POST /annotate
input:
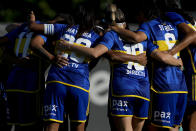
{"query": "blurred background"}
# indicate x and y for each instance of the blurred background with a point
(16, 11)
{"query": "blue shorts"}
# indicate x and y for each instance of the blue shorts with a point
(191, 86)
(62, 99)
(168, 109)
(23, 96)
(23, 109)
(128, 107)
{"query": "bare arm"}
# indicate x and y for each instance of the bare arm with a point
(130, 36)
(89, 52)
(165, 58)
(37, 43)
(189, 38)
(34, 26)
(123, 57)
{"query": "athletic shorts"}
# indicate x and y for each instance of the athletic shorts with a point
(128, 107)
(168, 109)
(23, 96)
(191, 86)
(60, 100)
(23, 109)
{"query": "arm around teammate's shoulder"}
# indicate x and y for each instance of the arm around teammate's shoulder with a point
(130, 36)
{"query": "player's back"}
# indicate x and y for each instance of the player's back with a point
(164, 34)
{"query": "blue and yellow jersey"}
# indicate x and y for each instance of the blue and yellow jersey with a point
(189, 59)
(77, 69)
(165, 78)
(20, 40)
(127, 79)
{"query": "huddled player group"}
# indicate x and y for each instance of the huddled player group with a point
(45, 69)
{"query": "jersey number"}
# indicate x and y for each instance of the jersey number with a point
(73, 56)
(131, 49)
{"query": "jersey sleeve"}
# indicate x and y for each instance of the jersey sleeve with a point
(43, 37)
(13, 34)
(51, 29)
(175, 18)
(145, 28)
(151, 47)
(107, 40)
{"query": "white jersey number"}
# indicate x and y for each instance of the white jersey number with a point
(73, 55)
(131, 49)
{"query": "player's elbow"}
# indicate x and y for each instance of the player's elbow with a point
(94, 55)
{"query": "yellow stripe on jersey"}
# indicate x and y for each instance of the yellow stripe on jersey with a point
(160, 126)
(193, 27)
(22, 91)
(193, 86)
(68, 85)
(140, 117)
(87, 111)
(163, 46)
(131, 96)
(168, 92)
(191, 58)
(121, 115)
(58, 121)
(78, 121)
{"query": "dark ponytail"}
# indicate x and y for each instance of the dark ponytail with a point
(85, 19)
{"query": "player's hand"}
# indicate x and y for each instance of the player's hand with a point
(62, 45)
(142, 59)
(31, 17)
(181, 64)
(61, 61)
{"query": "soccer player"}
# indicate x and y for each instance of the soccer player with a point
(186, 27)
(25, 80)
(67, 90)
(168, 82)
(124, 110)
(22, 85)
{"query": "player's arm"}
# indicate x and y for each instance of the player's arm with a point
(33, 25)
(188, 33)
(189, 38)
(130, 36)
(123, 57)
(38, 42)
(95, 52)
(165, 58)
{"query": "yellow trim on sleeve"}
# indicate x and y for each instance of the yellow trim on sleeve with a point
(54, 120)
(67, 85)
